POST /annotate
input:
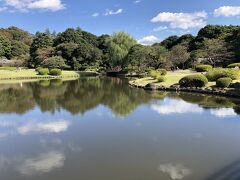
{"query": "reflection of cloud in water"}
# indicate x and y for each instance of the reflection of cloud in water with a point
(47, 127)
(27, 127)
(171, 106)
(43, 163)
(177, 171)
(224, 112)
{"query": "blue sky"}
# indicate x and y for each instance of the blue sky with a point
(147, 20)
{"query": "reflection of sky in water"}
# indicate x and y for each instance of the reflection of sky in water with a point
(172, 106)
(171, 131)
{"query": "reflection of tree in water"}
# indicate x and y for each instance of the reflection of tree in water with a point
(207, 101)
(46, 93)
(81, 95)
(16, 100)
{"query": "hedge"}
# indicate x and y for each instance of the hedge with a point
(198, 80)
(161, 79)
(43, 71)
(55, 72)
(223, 82)
(203, 68)
(234, 65)
(217, 73)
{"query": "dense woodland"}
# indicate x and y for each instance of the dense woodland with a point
(76, 49)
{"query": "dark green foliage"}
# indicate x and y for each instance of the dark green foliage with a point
(193, 81)
(70, 35)
(19, 48)
(55, 72)
(170, 42)
(224, 82)
(53, 62)
(234, 65)
(203, 68)
(5, 47)
(43, 71)
(217, 73)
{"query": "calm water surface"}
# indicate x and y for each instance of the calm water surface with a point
(101, 129)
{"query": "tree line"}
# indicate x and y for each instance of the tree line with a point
(77, 49)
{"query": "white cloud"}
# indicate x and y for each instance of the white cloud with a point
(160, 28)
(112, 12)
(177, 171)
(224, 112)
(95, 14)
(137, 1)
(26, 5)
(43, 163)
(148, 40)
(182, 20)
(176, 107)
(227, 11)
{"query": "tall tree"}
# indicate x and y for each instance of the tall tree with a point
(119, 46)
(179, 55)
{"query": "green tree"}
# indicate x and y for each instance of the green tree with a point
(179, 55)
(119, 46)
(54, 62)
(41, 40)
(215, 52)
(5, 47)
(159, 57)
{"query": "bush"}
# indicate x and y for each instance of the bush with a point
(163, 72)
(198, 80)
(234, 65)
(37, 69)
(217, 73)
(223, 82)
(154, 74)
(54, 62)
(203, 68)
(43, 71)
(161, 79)
(55, 72)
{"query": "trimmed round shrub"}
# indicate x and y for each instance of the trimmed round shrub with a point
(154, 74)
(55, 72)
(163, 72)
(203, 68)
(43, 71)
(37, 69)
(161, 79)
(198, 80)
(224, 82)
(234, 65)
(217, 73)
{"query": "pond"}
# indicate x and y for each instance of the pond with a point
(101, 129)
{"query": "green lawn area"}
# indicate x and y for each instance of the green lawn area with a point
(171, 78)
(24, 73)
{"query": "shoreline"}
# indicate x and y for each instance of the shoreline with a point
(219, 92)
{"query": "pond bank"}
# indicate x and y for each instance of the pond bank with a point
(235, 93)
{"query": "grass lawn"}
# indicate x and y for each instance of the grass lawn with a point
(171, 78)
(13, 74)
